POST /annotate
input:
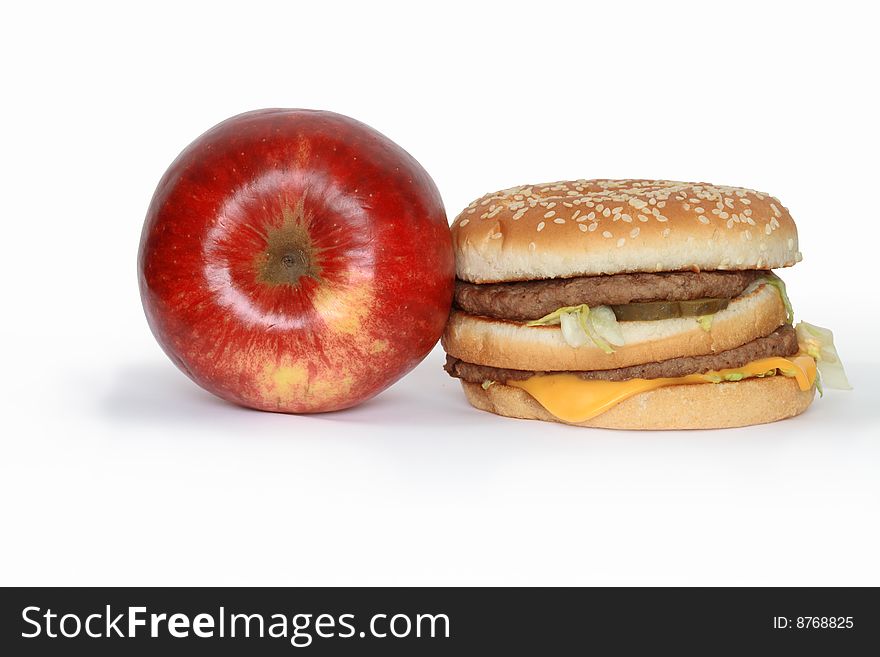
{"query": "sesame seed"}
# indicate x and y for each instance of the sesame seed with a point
(621, 242)
(551, 205)
(768, 229)
(495, 236)
(606, 212)
(540, 226)
(532, 247)
(559, 220)
(643, 218)
(576, 215)
(703, 219)
(593, 227)
(606, 234)
(583, 228)
(699, 210)
(472, 210)
(547, 215)
(634, 232)
(591, 216)
(464, 222)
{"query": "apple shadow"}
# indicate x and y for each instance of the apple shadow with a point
(156, 393)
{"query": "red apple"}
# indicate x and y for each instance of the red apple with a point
(295, 261)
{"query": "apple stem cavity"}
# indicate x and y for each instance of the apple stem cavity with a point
(290, 253)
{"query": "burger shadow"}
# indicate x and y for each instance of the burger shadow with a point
(159, 396)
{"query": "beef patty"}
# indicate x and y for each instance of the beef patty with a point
(782, 342)
(526, 300)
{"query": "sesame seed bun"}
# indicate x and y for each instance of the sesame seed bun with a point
(591, 227)
(514, 345)
(698, 406)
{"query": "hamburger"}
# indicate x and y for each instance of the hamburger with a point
(632, 304)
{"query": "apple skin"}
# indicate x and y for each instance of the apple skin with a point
(296, 261)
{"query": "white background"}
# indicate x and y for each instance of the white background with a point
(116, 469)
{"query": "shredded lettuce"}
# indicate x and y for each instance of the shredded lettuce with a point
(487, 383)
(818, 342)
(714, 377)
(580, 326)
(553, 318)
(574, 329)
(705, 322)
(779, 284)
(605, 322)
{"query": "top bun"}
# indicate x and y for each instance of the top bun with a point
(590, 227)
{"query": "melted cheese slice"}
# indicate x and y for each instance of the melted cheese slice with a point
(573, 399)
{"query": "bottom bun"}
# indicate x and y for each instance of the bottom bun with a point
(698, 406)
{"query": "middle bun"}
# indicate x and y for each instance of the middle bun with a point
(514, 345)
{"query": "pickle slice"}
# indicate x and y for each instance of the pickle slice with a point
(651, 310)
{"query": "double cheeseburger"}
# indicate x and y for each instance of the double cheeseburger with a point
(631, 304)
